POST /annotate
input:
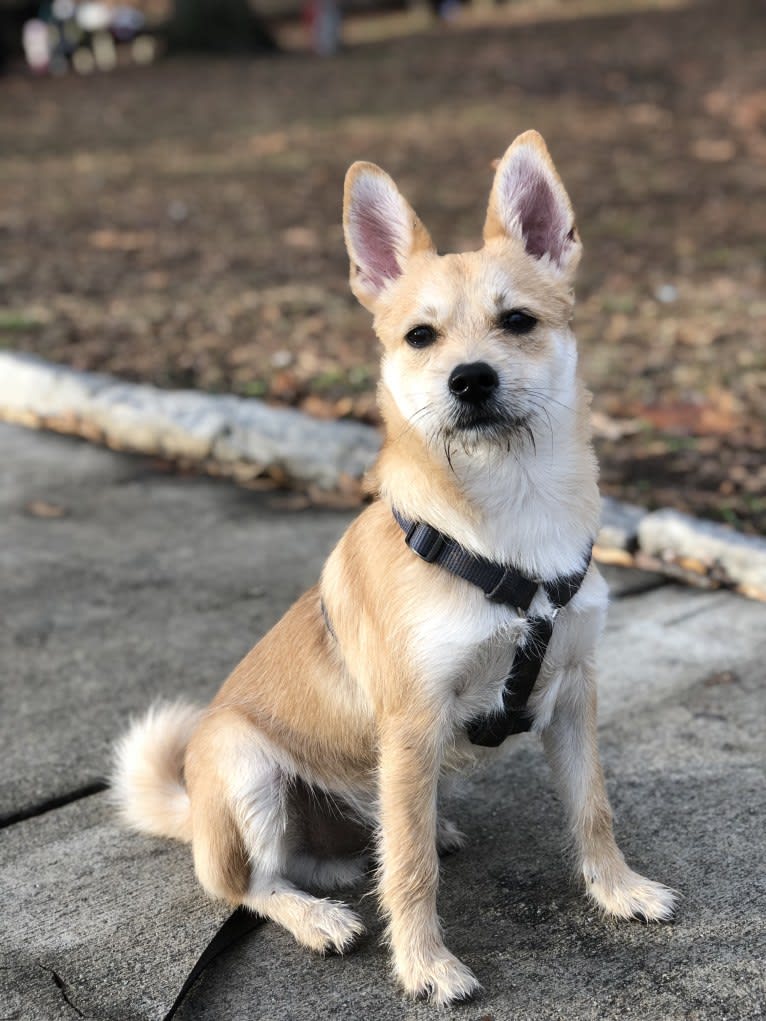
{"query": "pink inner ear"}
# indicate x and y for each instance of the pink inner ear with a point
(375, 244)
(530, 199)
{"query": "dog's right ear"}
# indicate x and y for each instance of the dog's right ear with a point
(381, 229)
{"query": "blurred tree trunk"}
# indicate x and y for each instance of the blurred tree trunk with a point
(218, 26)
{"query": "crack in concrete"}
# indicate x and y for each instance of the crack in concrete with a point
(61, 986)
(706, 607)
(50, 804)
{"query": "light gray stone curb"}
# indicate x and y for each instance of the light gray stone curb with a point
(720, 551)
(245, 438)
(619, 524)
(685, 548)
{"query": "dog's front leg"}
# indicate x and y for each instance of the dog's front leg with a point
(571, 745)
(410, 759)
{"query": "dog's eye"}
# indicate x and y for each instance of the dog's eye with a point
(420, 336)
(517, 322)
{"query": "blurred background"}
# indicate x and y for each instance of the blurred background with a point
(171, 178)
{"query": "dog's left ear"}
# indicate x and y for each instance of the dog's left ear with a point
(382, 232)
(528, 202)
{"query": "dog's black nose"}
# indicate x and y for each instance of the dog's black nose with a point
(473, 382)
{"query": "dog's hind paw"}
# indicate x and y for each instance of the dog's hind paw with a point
(448, 837)
(629, 895)
(330, 927)
(438, 977)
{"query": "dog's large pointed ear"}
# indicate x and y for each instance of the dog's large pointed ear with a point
(382, 231)
(528, 202)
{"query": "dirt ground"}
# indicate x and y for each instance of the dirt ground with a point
(181, 223)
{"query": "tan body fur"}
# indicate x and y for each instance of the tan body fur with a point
(369, 715)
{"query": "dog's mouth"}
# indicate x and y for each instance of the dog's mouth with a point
(492, 422)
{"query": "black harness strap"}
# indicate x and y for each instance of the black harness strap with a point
(514, 718)
(326, 616)
(500, 584)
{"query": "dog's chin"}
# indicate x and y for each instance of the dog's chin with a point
(488, 427)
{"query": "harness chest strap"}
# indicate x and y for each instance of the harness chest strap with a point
(506, 585)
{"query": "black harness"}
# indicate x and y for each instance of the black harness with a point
(506, 585)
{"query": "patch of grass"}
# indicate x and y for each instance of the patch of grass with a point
(254, 388)
(360, 376)
(755, 504)
(352, 379)
(619, 303)
(676, 444)
(328, 379)
(12, 321)
(730, 517)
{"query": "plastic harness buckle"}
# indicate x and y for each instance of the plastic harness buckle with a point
(425, 541)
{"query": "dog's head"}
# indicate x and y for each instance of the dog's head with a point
(477, 345)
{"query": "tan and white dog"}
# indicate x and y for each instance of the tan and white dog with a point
(360, 696)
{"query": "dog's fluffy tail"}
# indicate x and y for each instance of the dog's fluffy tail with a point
(147, 779)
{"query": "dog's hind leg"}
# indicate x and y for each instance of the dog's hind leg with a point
(328, 874)
(571, 746)
(240, 833)
(329, 839)
(318, 923)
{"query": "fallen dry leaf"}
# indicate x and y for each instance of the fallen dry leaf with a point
(122, 240)
(44, 509)
(687, 419)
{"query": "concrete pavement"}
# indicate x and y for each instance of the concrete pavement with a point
(119, 582)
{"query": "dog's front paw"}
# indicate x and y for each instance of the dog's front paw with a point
(626, 894)
(448, 837)
(437, 976)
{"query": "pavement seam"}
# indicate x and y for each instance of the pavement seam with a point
(709, 605)
(51, 804)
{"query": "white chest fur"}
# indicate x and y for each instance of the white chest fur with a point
(463, 645)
